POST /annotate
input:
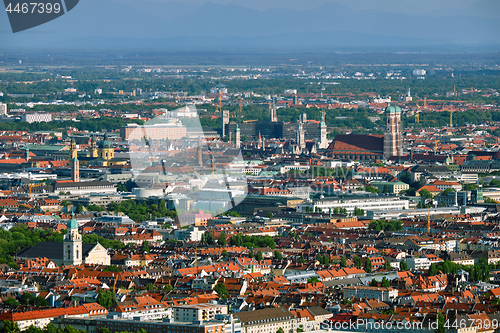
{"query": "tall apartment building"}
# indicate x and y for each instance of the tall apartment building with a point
(3, 109)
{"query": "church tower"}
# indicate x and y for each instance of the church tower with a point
(273, 113)
(301, 135)
(74, 163)
(393, 143)
(237, 137)
(93, 148)
(72, 245)
(323, 141)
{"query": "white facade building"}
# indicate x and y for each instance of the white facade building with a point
(383, 294)
(364, 202)
(36, 117)
(3, 109)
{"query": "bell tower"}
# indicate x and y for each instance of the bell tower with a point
(237, 137)
(323, 141)
(93, 148)
(393, 143)
(72, 245)
(74, 163)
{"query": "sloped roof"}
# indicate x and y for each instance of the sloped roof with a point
(357, 143)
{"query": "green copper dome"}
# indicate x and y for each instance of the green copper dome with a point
(105, 143)
(237, 128)
(72, 223)
(393, 109)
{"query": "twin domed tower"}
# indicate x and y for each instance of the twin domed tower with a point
(101, 153)
(104, 150)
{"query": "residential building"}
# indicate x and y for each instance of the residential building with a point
(383, 294)
(198, 312)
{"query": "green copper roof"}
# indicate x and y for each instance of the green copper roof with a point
(105, 143)
(393, 109)
(72, 223)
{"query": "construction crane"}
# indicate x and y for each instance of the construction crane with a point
(417, 115)
(196, 258)
(428, 221)
(213, 164)
(114, 284)
(220, 101)
(31, 186)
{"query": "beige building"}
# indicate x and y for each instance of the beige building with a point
(171, 131)
(383, 294)
(198, 312)
(267, 321)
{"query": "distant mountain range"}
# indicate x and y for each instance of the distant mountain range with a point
(151, 24)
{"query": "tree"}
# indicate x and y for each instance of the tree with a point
(426, 194)
(222, 239)
(387, 264)
(385, 282)
(374, 283)
(343, 261)
(210, 238)
(250, 254)
(440, 324)
(106, 298)
(221, 290)
(104, 330)
(469, 187)
(225, 254)
(11, 302)
(368, 265)
(79, 208)
(259, 256)
(50, 328)
(278, 255)
(270, 215)
(27, 299)
(65, 203)
(357, 262)
(168, 287)
(10, 327)
(150, 286)
(314, 279)
(145, 246)
(40, 301)
(432, 270)
(111, 268)
(403, 266)
(280, 330)
(121, 188)
(359, 211)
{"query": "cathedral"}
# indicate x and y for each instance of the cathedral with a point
(371, 147)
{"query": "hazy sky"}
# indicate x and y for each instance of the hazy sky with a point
(401, 6)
